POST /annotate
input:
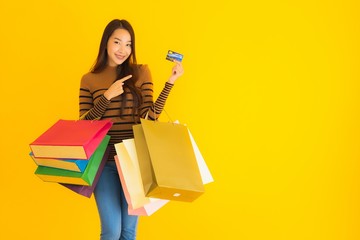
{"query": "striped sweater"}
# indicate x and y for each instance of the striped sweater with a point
(93, 102)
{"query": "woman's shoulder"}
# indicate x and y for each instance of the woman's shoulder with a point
(87, 76)
(88, 80)
(144, 75)
(142, 68)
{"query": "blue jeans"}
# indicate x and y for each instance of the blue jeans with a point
(116, 223)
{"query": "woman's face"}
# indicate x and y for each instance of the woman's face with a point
(118, 47)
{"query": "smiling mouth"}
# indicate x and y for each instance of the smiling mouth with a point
(120, 57)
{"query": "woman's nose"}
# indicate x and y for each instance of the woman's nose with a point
(120, 48)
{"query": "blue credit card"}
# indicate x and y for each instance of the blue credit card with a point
(171, 56)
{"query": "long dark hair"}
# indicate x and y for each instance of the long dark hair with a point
(129, 66)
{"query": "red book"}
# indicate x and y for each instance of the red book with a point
(71, 139)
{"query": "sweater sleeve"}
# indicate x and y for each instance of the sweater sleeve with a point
(149, 107)
(90, 110)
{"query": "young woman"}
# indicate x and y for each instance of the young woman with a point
(120, 89)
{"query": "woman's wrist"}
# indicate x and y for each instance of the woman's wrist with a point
(106, 95)
(171, 80)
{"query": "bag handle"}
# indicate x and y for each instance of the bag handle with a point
(147, 114)
(82, 117)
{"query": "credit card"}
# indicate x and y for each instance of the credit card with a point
(171, 56)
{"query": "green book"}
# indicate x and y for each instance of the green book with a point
(86, 178)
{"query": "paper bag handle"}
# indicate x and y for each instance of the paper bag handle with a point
(147, 114)
(82, 117)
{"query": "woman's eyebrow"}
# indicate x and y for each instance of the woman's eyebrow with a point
(121, 40)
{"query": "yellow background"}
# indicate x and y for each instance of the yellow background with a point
(270, 93)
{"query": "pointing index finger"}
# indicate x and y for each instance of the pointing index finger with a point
(125, 78)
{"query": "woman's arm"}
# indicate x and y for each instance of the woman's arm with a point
(153, 110)
(89, 110)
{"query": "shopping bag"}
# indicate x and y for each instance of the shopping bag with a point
(204, 170)
(167, 161)
(149, 208)
(77, 165)
(71, 139)
(129, 173)
(49, 174)
(87, 191)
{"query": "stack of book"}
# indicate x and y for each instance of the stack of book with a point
(71, 152)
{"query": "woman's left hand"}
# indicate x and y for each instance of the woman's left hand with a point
(176, 72)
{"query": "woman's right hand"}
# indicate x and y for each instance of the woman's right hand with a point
(116, 89)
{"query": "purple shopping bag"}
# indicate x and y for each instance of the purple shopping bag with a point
(88, 190)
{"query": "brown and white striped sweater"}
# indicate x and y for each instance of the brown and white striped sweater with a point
(92, 100)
